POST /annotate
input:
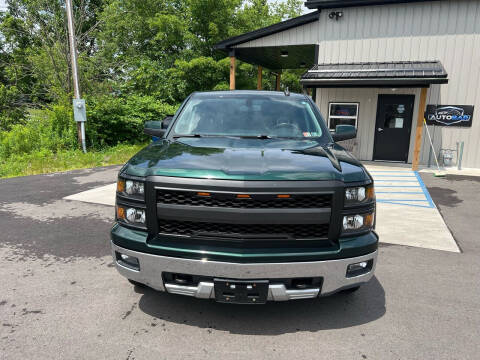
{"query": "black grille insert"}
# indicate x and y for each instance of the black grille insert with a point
(257, 201)
(244, 231)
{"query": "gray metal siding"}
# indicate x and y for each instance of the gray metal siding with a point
(367, 111)
(447, 30)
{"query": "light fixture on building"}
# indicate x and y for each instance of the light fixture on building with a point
(335, 15)
(284, 53)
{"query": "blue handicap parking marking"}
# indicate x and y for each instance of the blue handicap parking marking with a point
(398, 180)
(396, 176)
(398, 192)
(425, 190)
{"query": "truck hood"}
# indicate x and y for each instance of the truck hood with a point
(246, 159)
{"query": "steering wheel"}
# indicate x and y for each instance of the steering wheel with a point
(286, 129)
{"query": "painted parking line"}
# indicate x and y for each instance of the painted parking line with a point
(395, 176)
(392, 184)
(398, 192)
(402, 197)
(425, 190)
(387, 172)
(397, 181)
(422, 203)
(397, 186)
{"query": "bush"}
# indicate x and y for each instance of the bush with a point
(110, 121)
(50, 130)
(11, 112)
(114, 120)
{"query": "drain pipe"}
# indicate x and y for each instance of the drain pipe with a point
(460, 156)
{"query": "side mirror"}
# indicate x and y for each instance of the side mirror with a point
(154, 128)
(166, 121)
(344, 132)
(157, 128)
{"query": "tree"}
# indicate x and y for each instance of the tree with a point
(160, 49)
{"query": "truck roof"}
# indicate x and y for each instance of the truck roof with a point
(247, 92)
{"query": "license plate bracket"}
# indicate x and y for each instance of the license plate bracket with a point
(241, 291)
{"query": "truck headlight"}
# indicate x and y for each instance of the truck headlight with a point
(358, 222)
(359, 194)
(131, 215)
(130, 187)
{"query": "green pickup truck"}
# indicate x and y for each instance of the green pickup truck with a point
(244, 197)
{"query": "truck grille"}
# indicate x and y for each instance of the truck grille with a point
(244, 231)
(300, 201)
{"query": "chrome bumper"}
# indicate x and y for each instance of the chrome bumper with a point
(276, 292)
(332, 271)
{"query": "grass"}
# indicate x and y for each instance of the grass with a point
(43, 162)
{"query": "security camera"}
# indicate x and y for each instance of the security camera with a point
(335, 15)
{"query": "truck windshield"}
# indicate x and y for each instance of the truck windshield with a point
(249, 116)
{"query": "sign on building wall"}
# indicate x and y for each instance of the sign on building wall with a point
(449, 115)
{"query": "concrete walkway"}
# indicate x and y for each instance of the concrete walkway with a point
(406, 214)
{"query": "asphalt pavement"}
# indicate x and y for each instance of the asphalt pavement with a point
(61, 297)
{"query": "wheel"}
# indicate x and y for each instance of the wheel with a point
(351, 290)
(136, 283)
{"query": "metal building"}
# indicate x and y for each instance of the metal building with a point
(383, 65)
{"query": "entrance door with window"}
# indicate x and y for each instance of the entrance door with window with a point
(393, 127)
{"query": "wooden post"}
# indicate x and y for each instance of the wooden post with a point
(259, 78)
(232, 72)
(277, 86)
(419, 131)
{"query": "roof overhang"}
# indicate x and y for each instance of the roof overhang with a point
(278, 57)
(269, 30)
(381, 74)
(333, 4)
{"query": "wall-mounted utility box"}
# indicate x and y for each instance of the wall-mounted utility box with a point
(79, 111)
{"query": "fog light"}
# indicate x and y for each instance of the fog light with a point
(128, 261)
(135, 215)
(359, 268)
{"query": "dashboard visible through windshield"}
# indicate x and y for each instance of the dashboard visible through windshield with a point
(249, 116)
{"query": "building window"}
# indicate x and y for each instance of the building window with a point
(342, 114)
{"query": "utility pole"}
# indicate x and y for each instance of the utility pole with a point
(79, 111)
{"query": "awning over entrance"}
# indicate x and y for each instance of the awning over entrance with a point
(287, 56)
(278, 57)
(376, 74)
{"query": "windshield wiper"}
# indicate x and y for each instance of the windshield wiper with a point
(187, 135)
(261, 136)
(253, 136)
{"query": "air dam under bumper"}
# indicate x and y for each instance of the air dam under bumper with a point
(332, 271)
